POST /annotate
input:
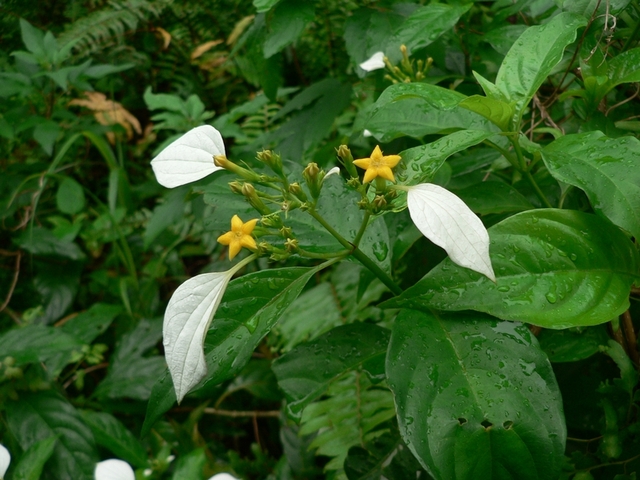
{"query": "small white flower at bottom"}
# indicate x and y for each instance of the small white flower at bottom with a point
(223, 476)
(114, 469)
(5, 460)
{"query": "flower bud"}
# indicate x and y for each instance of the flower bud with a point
(251, 195)
(379, 202)
(286, 232)
(347, 160)
(224, 162)
(313, 176)
(272, 160)
(296, 189)
(236, 187)
(272, 221)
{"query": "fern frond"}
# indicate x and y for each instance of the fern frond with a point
(103, 26)
(349, 416)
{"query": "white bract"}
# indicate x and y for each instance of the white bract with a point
(366, 133)
(447, 221)
(189, 158)
(114, 469)
(5, 460)
(186, 322)
(223, 476)
(375, 62)
(333, 171)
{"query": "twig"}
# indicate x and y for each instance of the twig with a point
(14, 282)
(632, 341)
(243, 413)
(535, 329)
(86, 370)
(622, 102)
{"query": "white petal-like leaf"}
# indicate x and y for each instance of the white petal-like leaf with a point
(333, 171)
(186, 322)
(375, 62)
(5, 460)
(114, 469)
(447, 221)
(223, 476)
(189, 158)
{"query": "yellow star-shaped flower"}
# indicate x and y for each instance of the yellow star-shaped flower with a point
(378, 165)
(239, 236)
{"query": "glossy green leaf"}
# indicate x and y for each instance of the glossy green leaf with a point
(251, 306)
(41, 415)
(573, 344)
(433, 19)
(419, 109)
(496, 111)
(32, 461)
(420, 164)
(532, 58)
(628, 373)
(111, 434)
(554, 268)
(607, 169)
(587, 8)
(289, 19)
(264, 5)
(338, 351)
(493, 197)
(70, 196)
(476, 398)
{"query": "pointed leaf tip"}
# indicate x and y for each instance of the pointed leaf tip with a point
(447, 221)
(186, 322)
(189, 158)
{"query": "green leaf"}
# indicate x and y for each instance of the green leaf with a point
(629, 375)
(368, 31)
(90, 324)
(419, 109)
(37, 343)
(70, 196)
(33, 38)
(45, 414)
(162, 398)
(503, 37)
(338, 351)
(264, 5)
(587, 8)
(166, 214)
(421, 163)
(493, 197)
(57, 283)
(607, 169)
(354, 411)
(435, 18)
(289, 19)
(495, 110)
(532, 58)
(573, 344)
(190, 465)
(111, 434)
(476, 398)
(32, 461)
(554, 268)
(131, 374)
(41, 241)
(46, 134)
(625, 68)
(313, 313)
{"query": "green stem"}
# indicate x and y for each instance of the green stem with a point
(323, 256)
(539, 192)
(518, 149)
(363, 227)
(358, 254)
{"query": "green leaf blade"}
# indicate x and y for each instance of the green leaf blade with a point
(475, 398)
(607, 169)
(554, 268)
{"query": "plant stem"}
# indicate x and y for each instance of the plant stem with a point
(539, 192)
(358, 254)
(363, 227)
